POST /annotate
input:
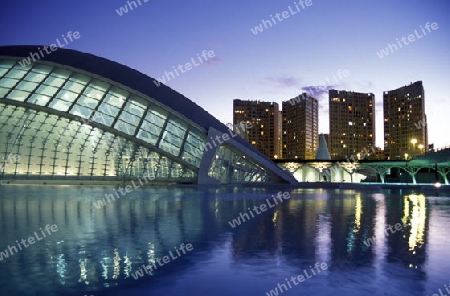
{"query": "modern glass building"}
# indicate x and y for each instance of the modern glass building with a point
(72, 116)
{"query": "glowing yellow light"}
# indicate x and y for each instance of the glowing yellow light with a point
(358, 213)
(415, 208)
(274, 219)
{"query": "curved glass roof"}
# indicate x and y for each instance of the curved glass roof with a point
(98, 101)
(113, 111)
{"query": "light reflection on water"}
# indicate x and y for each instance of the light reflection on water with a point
(96, 251)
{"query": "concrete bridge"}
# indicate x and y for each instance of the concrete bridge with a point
(431, 167)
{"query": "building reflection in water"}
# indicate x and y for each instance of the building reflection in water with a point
(99, 248)
(408, 245)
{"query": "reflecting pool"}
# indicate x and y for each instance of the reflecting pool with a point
(186, 240)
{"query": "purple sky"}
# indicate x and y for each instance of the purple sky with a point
(274, 65)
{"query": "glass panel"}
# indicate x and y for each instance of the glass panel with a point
(170, 143)
(81, 111)
(175, 129)
(8, 82)
(3, 71)
(108, 109)
(125, 127)
(100, 85)
(139, 103)
(193, 150)
(103, 118)
(60, 105)
(93, 93)
(75, 87)
(61, 73)
(7, 64)
(119, 93)
(16, 73)
(79, 78)
(173, 139)
(27, 86)
(47, 90)
(156, 116)
(130, 118)
(195, 139)
(54, 81)
(147, 137)
(88, 102)
(229, 165)
(18, 95)
(35, 77)
(193, 158)
(152, 128)
(38, 99)
(134, 109)
(3, 91)
(67, 96)
(116, 97)
(43, 69)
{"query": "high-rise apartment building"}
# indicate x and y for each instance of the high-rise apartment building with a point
(405, 129)
(352, 123)
(300, 128)
(265, 134)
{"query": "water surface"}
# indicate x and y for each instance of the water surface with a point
(96, 251)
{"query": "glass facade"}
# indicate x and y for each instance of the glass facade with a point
(50, 145)
(230, 166)
(64, 123)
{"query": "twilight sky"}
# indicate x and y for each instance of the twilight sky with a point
(303, 50)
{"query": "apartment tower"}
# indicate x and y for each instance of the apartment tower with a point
(352, 123)
(405, 129)
(300, 128)
(265, 134)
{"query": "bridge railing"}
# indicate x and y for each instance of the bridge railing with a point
(442, 148)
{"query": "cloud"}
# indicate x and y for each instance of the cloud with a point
(318, 90)
(286, 81)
